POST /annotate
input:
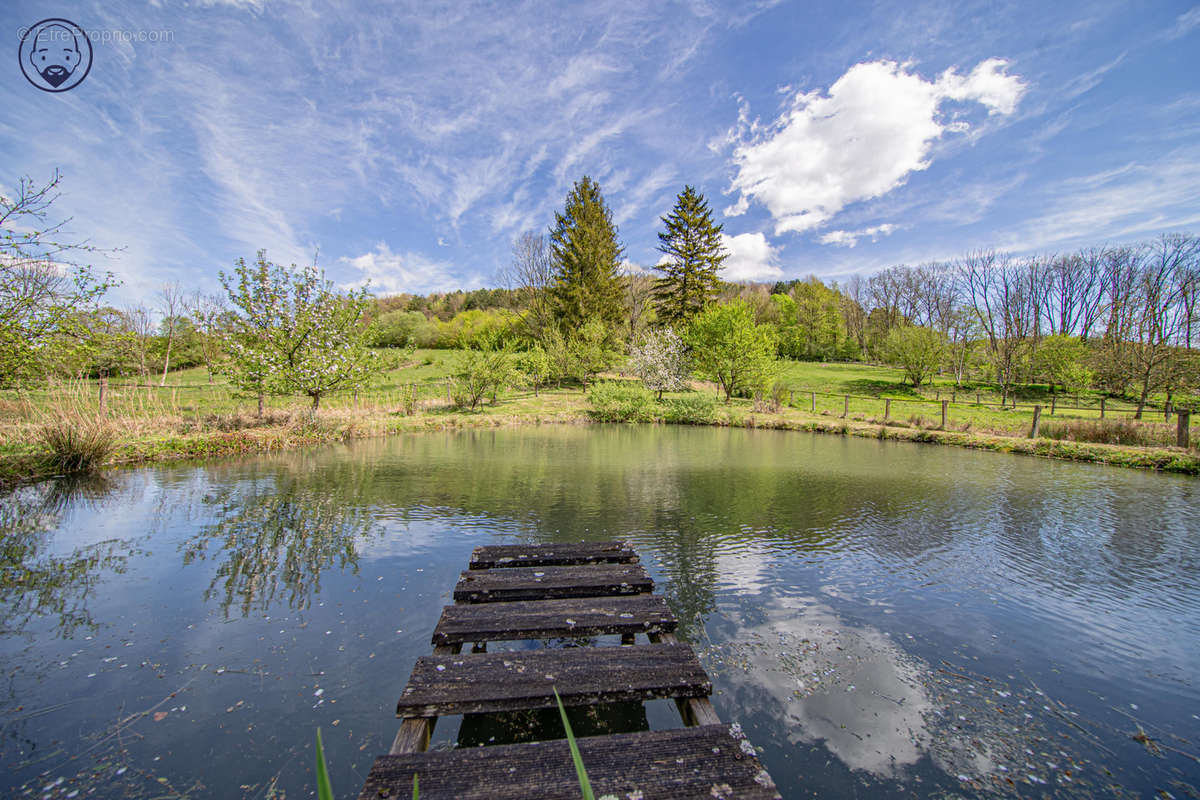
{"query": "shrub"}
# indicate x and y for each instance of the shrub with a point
(697, 409)
(78, 442)
(621, 402)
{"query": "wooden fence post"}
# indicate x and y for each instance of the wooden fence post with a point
(1101, 408)
(1053, 403)
(846, 407)
(814, 402)
(977, 399)
(1182, 431)
(1037, 421)
(791, 398)
(945, 405)
(103, 394)
(448, 399)
(1167, 411)
(887, 409)
(953, 395)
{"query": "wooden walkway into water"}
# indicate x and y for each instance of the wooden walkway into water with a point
(515, 592)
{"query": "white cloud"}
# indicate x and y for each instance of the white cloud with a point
(404, 272)
(850, 238)
(876, 125)
(751, 258)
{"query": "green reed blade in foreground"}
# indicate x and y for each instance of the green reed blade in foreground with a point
(324, 790)
(584, 784)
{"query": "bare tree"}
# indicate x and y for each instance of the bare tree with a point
(529, 275)
(170, 304)
(639, 300)
(1001, 293)
(208, 312)
(140, 322)
(1159, 321)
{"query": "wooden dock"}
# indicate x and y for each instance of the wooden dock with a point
(517, 592)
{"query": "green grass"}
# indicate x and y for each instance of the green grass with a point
(585, 785)
(190, 418)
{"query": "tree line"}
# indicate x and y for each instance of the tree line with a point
(1123, 318)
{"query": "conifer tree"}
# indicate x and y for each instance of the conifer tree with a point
(692, 245)
(586, 255)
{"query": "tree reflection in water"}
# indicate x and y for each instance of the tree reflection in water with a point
(37, 583)
(273, 537)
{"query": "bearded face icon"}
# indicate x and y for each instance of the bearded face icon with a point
(55, 54)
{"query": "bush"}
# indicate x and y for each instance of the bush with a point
(78, 442)
(696, 409)
(621, 402)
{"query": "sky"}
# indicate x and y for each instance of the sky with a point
(406, 145)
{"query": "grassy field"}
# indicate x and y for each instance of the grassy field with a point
(191, 417)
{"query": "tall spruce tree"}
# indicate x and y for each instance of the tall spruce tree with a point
(586, 255)
(692, 245)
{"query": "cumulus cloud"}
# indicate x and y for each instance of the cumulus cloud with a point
(850, 238)
(751, 258)
(875, 126)
(403, 272)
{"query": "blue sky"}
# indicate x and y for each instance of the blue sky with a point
(410, 143)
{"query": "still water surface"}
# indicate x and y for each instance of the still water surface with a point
(883, 619)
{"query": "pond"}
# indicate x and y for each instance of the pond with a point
(882, 618)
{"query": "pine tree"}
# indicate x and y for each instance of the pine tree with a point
(692, 245)
(586, 255)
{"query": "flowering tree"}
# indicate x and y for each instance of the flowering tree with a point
(295, 333)
(661, 362)
(45, 292)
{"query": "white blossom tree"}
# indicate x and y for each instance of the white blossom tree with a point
(660, 360)
(296, 334)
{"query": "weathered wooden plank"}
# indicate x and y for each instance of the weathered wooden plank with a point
(547, 619)
(549, 583)
(472, 683)
(415, 733)
(692, 710)
(703, 763)
(562, 554)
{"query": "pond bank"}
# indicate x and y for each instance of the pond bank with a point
(297, 429)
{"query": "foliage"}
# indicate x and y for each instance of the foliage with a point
(661, 362)
(692, 409)
(585, 256)
(729, 348)
(694, 253)
(534, 366)
(811, 323)
(472, 381)
(1059, 359)
(589, 351)
(296, 334)
(919, 351)
(614, 401)
(43, 289)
